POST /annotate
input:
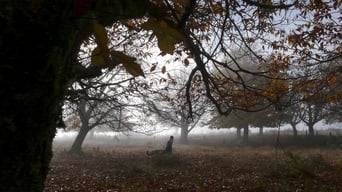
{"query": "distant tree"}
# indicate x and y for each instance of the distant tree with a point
(54, 30)
(334, 96)
(318, 91)
(293, 114)
(169, 103)
(310, 115)
(251, 109)
(90, 118)
(266, 118)
(99, 102)
(238, 120)
(334, 113)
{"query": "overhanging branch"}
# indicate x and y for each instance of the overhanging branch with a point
(268, 6)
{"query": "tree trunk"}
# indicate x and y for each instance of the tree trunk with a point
(311, 130)
(294, 128)
(261, 131)
(184, 135)
(77, 145)
(238, 132)
(176, 133)
(39, 42)
(245, 134)
(85, 114)
(36, 51)
(91, 134)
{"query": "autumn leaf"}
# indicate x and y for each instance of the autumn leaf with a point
(186, 62)
(101, 37)
(167, 35)
(97, 58)
(163, 69)
(100, 55)
(166, 44)
(153, 68)
(129, 63)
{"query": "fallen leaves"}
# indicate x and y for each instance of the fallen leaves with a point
(186, 171)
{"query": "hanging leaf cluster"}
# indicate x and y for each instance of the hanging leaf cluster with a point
(102, 57)
(167, 35)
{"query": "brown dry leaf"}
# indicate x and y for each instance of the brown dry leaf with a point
(186, 62)
(153, 68)
(101, 53)
(101, 37)
(129, 63)
(163, 69)
(167, 35)
(97, 58)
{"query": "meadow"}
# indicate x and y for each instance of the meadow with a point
(208, 163)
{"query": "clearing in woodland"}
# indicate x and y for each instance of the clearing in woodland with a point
(196, 167)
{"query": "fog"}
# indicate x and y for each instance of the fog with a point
(100, 139)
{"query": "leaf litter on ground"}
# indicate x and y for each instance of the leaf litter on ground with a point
(197, 169)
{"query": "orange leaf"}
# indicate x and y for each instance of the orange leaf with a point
(101, 37)
(129, 63)
(153, 68)
(97, 58)
(186, 62)
(163, 69)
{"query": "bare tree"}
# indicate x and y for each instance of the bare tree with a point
(168, 103)
(54, 30)
(293, 114)
(99, 102)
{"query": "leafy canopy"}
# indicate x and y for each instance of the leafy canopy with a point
(281, 36)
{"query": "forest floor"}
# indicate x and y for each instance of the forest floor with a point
(196, 167)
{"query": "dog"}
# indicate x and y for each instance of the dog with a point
(156, 152)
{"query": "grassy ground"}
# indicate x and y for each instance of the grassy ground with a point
(205, 165)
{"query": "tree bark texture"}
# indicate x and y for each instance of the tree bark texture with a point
(37, 48)
(39, 42)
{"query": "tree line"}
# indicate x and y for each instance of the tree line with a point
(40, 42)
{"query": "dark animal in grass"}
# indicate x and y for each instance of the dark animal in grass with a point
(167, 150)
